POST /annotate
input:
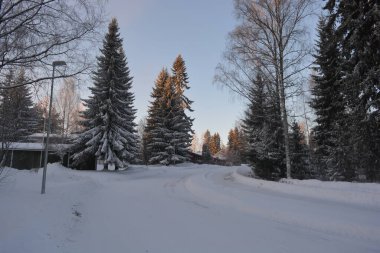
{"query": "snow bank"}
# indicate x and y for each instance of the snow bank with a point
(367, 194)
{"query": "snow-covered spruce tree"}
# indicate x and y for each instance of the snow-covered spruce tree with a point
(110, 133)
(206, 142)
(234, 146)
(327, 101)
(42, 110)
(156, 129)
(262, 128)
(174, 123)
(206, 154)
(233, 152)
(168, 132)
(358, 31)
(215, 144)
(298, 151)
(16, 108)
(253, 123)
(181, 122)
(207, 138)
(17, 115)
(352, 79)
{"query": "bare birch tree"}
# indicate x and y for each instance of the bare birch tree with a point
(196, 146)
(68, 105)
(271, 37)
(35, 33)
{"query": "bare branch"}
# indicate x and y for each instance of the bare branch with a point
(34, 33)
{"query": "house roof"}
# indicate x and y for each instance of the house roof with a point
(29, 146)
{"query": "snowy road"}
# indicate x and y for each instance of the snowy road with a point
(188, 208)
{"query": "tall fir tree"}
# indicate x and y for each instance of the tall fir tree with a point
(207, 137)
(178, 146)
(215, 144)
(355, 148)
(206, 153)
(328, 101)
(235, 146)
(253, 123)
(42, 110)
(169, 131)
(110, 133)
(299, 153)
(16, 108)
(234, 140)
(360, 42)
(156, 130)
(262, 127)
(182, 123)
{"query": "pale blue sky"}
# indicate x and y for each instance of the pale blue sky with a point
(156, 31)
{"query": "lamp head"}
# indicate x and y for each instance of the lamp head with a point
(59, 63)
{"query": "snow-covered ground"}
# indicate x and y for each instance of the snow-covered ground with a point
(186, 208)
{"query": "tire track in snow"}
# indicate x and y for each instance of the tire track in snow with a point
(177, 189)
(213, 187)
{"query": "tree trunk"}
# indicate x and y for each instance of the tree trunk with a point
(284, 120)
(284, 117)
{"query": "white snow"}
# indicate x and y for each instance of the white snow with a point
(26, 146)
(185, 208)
(31, 146)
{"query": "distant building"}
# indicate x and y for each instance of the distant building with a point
(197, 157)
(30, 155)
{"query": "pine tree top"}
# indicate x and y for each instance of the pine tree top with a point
(180, 75)
(113, 24)
(179, 63)
(159, 88)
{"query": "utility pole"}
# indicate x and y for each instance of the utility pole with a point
(55, 63)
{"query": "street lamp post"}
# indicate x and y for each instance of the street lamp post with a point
(55, 64)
